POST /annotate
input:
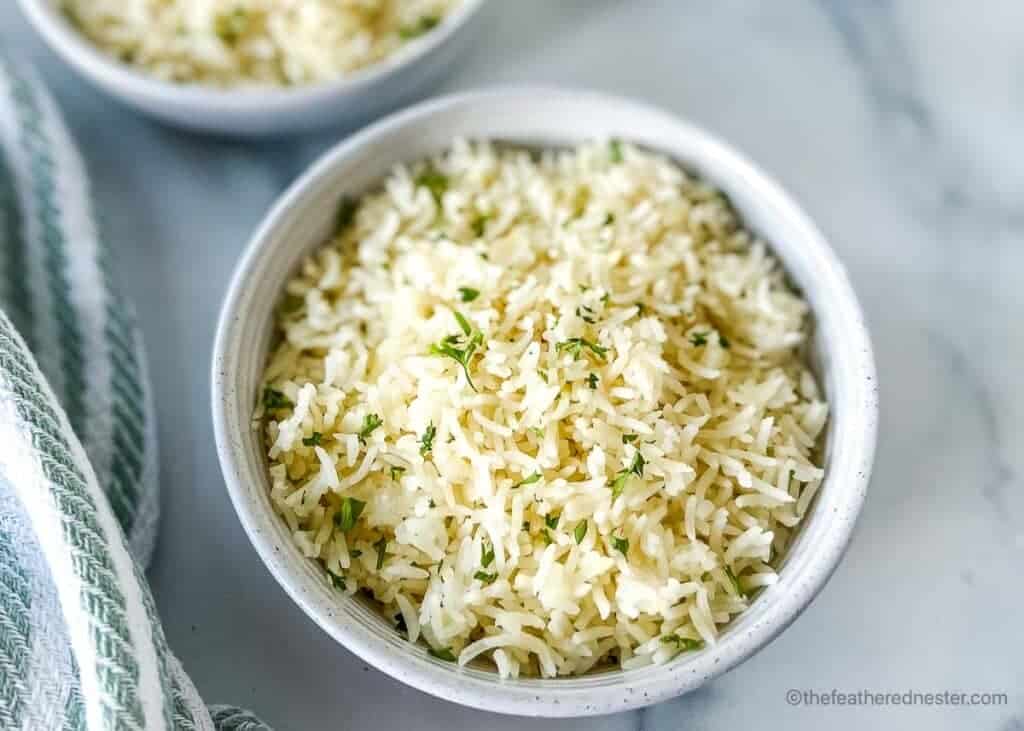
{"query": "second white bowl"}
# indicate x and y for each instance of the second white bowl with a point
(303, 219)
(356, 98)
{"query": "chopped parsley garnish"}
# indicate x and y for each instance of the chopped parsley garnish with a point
(576, 345)
(699, 339)
(551, 521)
(548, 540)
(486, 554)
(636, 467)
(537, 432)
(468, 294)
(479, 225)
(230, 27)
(396, 473)
(723, 341)
(443, 654)
(338, 582)
(371, 422)
(609, 219)
(615, 151)
(434, 181)
(427, 440)
(580, 532)
(683, 644)
(348, 513)
(355, 553)
(535, 477)
(382, 547)
(592, 380)
(485, 577)
(313, 440)
(460, 348)
(629, 438)
(423, 25)
(735, 582)
(346, 214)
(291, 303)
(586, 314)
(273, 400)
(620, 544)
(605, 297)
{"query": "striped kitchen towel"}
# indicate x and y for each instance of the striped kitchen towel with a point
(81, 645)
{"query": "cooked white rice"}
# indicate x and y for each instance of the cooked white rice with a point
(268, 42)
(642, 435)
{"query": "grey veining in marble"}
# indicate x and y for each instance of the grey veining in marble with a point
(896, 123)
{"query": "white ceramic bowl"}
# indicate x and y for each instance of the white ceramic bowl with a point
(303, 219)
(357, 98)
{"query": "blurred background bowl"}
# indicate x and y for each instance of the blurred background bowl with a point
(270, 111)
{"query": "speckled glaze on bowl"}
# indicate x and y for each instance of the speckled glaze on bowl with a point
(301, 221)
(252, 112)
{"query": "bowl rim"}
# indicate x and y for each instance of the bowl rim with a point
(560, 697)
(77, 51)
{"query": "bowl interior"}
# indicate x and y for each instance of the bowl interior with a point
(303, 219)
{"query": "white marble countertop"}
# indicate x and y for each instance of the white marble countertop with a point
(898, 124)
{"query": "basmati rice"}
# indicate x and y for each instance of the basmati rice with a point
(549, 410)
(265, 42)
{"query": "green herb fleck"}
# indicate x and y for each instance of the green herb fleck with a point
(468, 294)
(443, 654)
(576, 345)
(636, 467)
(291, 303)
(605, 297)
(683, 644)
(592, 380)
(273, 400)
(382, 547)
(551, 521)
(485, 577)
(535, 477)
(346, 214)
(313, 440)
(449, 346)
(735, 582)
(609, 219)
(396, 473)
(586, 314)
(427, 440)
(348, 513)
(230, 27)
(355, 553)
(620, 544)
(615, 151)
(537, 432)
(546, 535)
(629, 438)
(723, 341)
(338, 582)
(434, 181)
(424, 25)
(580, 532)
(371, 422)
(486, 554)
(479, 225)
(699, 339)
